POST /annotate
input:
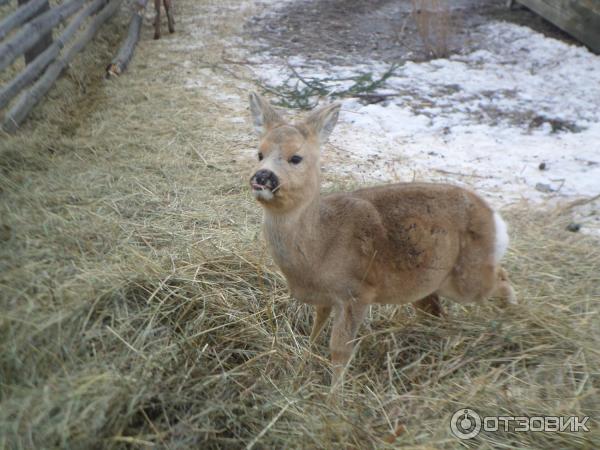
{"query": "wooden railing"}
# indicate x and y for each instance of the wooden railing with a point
(27, 32)
(579, 18)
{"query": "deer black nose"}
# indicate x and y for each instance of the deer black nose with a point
(265, 178)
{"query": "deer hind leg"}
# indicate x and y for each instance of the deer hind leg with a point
(470, 281)
(157, 19)
(479, 283)
(348, 318)
(170, 18)
(321, 316)
(430, 305)
(503, 289)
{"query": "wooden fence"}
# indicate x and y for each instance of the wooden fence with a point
(579, 18)
(27, 32)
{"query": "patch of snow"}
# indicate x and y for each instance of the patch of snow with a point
(487, 119)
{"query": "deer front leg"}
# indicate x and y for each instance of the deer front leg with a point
(157, 19)
(170, 18)
(321, 316)
(348, 318)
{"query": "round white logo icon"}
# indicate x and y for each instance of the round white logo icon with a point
(465, 424)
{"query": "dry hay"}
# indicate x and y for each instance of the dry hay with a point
(139, 308)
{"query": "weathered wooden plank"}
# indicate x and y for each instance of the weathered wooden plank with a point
(29, 98)
(33, 31)
(44, 41)
(579, 18)
(36, 67)
(21, 15)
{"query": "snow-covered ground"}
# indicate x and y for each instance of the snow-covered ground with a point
(519, 120)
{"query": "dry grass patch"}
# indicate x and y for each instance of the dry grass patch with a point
(139, 320)
(139, 308)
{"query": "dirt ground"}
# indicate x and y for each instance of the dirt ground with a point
(383, 30)
(139, 309)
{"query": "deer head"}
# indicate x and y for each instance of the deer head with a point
(287, 174)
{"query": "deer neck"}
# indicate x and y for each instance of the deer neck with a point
(293, 237)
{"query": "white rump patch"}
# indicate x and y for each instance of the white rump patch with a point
(501, 239)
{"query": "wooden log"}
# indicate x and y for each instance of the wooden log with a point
(44, 41)
(31, 97)
(20, 16)
(35, 68)
(33, 31)
(125, 52)
(579, 18)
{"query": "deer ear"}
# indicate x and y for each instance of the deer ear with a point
(323, 121)
(264, 117)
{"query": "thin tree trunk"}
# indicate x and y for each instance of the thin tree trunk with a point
(125, 52)
(44, 41)
(170, 18)
(157, 19)
(21, 15)
(28, 99)
(35, 68)
(33, 31)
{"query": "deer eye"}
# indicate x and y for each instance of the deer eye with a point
(296, 159)
(260, 156)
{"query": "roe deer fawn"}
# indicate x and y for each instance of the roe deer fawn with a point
(397, 243)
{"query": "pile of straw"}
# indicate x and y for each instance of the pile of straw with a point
(138, 307)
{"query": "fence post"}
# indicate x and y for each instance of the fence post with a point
(44, 41)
